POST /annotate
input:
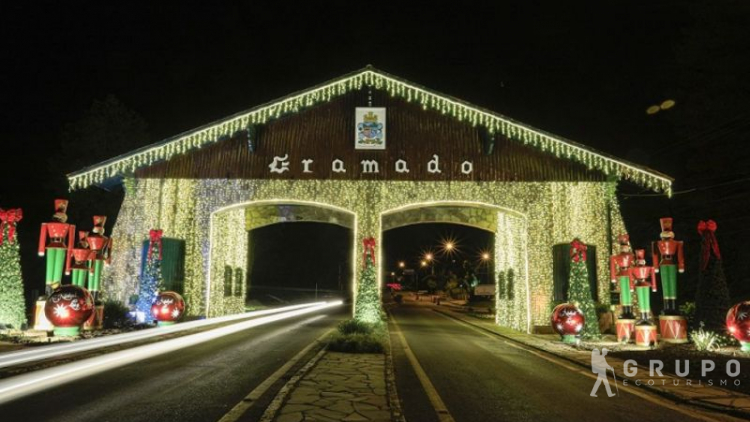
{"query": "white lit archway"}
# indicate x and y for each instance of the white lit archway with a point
(234, 213)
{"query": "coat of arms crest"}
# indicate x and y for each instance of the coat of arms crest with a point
(370, 130)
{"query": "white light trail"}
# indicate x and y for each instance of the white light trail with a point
(33, 382)
(56, 350)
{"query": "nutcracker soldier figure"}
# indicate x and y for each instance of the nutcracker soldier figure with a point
(60, 235)
(645, 283)
(80, 260)
(619, 268)
(668, 259)
(58, 247)
(101, 247)
(101, 252)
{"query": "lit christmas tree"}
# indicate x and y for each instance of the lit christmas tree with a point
(12, 306)
(368, 299)
(151, 279)
(579, 291)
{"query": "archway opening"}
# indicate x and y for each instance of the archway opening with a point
(446, 259)
(279, 252)
(296, 262)
(494, 270)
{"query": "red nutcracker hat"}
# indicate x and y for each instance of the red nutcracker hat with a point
(624, 241)
(666, 227)
(640, 255)
(61, 205)
(82, 235)
(99, 221)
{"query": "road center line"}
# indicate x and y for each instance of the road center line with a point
(238, 410)
(693, 413)
(437, 403)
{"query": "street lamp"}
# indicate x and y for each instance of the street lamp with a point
(484, 259)
(402, 264)
(428, 257)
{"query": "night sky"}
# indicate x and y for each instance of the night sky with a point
(581, 70)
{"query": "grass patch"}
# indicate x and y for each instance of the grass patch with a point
(355, 336)
(354, 326)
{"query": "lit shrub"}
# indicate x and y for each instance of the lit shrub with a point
(704, 340)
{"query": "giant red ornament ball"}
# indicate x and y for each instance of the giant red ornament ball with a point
(738, 322)
(168, 307)
(69, 307)
(567, 320)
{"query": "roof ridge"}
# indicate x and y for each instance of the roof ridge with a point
(370, 76)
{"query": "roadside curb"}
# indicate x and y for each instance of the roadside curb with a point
(676, 398)
(278, 401)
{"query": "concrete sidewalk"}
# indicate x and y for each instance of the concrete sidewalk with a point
(679, 390)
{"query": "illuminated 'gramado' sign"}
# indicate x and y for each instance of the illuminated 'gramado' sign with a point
(280, 164)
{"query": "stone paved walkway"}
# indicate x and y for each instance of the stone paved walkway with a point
(341, 387)
(679, 389)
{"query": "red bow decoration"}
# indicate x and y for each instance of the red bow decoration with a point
(9, 218)
(369, 244)
(577, 251)
(709, 243)
(154, 238)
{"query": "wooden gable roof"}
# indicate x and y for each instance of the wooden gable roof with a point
(318, 124)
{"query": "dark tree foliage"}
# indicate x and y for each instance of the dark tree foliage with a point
(107, 129)
(712, 127)
(712, 298)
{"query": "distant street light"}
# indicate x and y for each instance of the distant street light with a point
(402, 264)
(423, 263)
(485, 256)
(665, 105)
(429, 258)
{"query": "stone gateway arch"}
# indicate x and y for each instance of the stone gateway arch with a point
(367, 151)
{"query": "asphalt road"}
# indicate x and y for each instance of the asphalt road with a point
(481, 378)
(199, 383)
